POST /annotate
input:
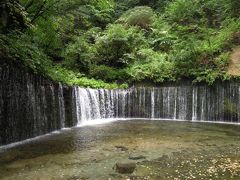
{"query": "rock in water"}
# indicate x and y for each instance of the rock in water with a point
(125, 168)
(136, 157)
(121, 148)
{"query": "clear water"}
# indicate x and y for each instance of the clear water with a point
(181, 150)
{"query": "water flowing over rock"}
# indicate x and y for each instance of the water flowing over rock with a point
(31, 105)
(203, 103)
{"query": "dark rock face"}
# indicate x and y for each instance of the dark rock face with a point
(125, 168)
(31, 105)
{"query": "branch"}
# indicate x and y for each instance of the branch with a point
(29, 4)
(43, 9)
(39, 12)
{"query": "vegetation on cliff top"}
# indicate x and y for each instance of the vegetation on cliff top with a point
(112, 43)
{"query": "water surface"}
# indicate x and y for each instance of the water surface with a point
(178, 150)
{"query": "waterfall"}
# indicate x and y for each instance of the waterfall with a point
(61, 106)
(32, 105)
(193, 103)
(152, 103)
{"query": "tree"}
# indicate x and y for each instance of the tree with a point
(39, 8)
(116, 43)
(12, 16)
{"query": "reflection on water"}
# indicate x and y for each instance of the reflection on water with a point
(172, 150)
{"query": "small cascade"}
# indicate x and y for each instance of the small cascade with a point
(94, 104)
(194, 104)
(61, 106)
(152, 103)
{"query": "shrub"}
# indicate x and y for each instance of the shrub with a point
(108, 74)
(161, 38)
(116, 43)
(183, 11)
(152, 66)
(69, 77)
(141, 16)
(79, 55)
(222, 61)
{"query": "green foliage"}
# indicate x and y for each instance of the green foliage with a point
(22, 50)
(44, 34)
(235, 8)
(121, 41)
(109, 74)
(72, 78)
(183, 11)
(161, 38)
(12, 16)
(139, 16)
(98, 13)
(215, 11)
(222, 61)
(19, 48)
(152, 66)
(78, 55)
(116, 42)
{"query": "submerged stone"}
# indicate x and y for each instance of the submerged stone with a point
(125, 168)
(136, 157)
(121, 148)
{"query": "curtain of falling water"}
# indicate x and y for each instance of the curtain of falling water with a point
(31, 105)
(203, 103)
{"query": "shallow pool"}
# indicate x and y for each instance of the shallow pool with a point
(160, 149)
